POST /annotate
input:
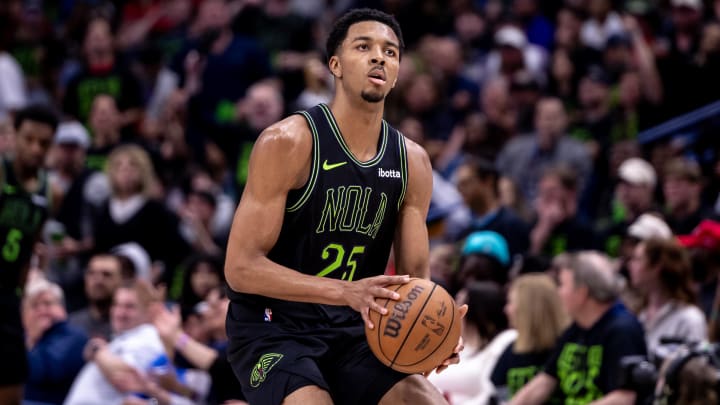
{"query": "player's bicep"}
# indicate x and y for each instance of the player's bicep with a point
(276, 166)
(411, 237)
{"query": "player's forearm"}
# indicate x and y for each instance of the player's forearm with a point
(264, 277)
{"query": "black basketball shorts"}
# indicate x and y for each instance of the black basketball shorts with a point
(272, 361)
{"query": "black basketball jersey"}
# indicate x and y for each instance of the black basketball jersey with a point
(341, 224)
(22, 216)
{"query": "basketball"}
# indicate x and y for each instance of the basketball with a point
(420, 330)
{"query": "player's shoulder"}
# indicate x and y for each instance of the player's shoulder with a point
(290, 136)
(417, 156)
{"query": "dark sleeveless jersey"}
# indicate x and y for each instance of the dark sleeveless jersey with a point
(340, 225)
(22, 216)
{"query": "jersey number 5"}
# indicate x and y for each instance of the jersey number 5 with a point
(11, 248)
(339, 250)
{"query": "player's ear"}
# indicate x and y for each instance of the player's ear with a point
(334, 66)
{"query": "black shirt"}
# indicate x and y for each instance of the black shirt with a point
(586, 362)
(117, 82)
(514, 370)
(153, 227)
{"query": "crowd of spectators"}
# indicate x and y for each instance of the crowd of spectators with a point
(532, 114)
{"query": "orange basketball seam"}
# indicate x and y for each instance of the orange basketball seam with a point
(407, 335)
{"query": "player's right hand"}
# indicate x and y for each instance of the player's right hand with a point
(360, 295)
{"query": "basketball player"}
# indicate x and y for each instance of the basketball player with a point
(329, 191)
(24, 204)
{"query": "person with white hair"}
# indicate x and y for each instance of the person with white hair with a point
(54, 346)
(586, 360)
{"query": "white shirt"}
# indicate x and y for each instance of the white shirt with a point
(673, 320)
(468, 382)
(122, 210)
(138, 347)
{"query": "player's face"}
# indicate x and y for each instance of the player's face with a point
(368, 60)
(33, 142)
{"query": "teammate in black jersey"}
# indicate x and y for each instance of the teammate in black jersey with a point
(24, 202)
(329, 191)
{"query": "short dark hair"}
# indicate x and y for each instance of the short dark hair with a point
(342, 25)
(38, 113)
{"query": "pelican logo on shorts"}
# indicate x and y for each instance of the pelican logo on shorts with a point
(262, 368)
(390, 173)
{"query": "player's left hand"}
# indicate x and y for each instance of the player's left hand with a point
(455, 357)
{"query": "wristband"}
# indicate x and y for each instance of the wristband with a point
(182, 341)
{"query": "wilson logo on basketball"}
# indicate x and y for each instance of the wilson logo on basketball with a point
(400, 310)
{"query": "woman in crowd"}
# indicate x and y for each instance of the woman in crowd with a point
(485, 335)
(535, 312)
(133, 214)
(660, 270)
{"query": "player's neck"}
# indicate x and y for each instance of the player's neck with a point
(359, 124)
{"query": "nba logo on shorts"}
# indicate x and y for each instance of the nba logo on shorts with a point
(268, 315)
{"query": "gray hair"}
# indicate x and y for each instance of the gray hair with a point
(597, 272)
(40, 285)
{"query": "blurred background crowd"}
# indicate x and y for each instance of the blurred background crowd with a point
(554, 128)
